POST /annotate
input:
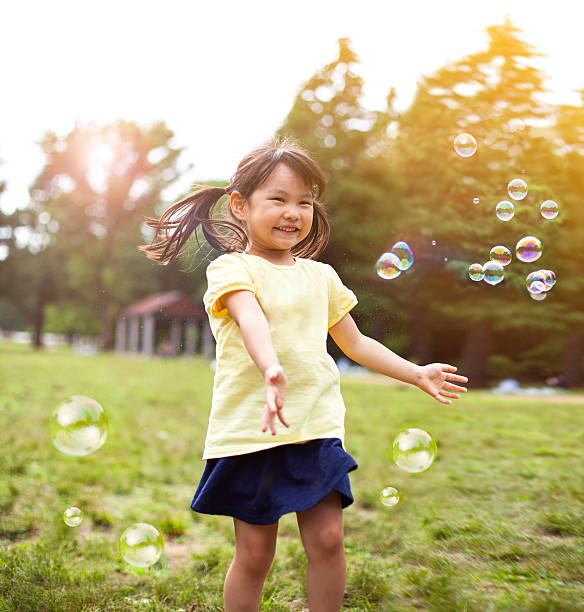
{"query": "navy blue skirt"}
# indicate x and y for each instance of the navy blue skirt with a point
(260, 487)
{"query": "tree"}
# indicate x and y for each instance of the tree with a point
(97, 184)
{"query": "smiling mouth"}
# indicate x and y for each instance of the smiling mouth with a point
(288, 230)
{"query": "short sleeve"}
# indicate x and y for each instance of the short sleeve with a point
(225, 274)
(341, 299)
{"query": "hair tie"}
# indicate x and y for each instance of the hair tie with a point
(225, 190)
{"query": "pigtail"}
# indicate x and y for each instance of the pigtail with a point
(184, 218)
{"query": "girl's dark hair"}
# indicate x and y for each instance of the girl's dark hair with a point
(227, 234)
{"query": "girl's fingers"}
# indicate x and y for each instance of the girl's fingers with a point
(452, 387)
(283, 418)
(448, 394)
(457, 378)
(442, 400)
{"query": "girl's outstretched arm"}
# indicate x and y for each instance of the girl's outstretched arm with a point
(255, 331)
(436, 379)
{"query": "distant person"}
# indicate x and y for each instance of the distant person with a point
(271, 306)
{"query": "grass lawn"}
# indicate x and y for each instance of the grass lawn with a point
(497, 523)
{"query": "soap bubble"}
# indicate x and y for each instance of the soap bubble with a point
(505, 210)
(537, 276)
(141, 545)
(414, 450)
(537, 287)
(404, 254)
(389, 497)
(517, 189)
(549, 209)
(433, 243)
(465, 145)
(528, 249)
(475, 200)
(549, 278)
(388, 266)
(538, 297)
(501, 254)
(475, 272)
(78, 426)
(493, 272)
(72, 516)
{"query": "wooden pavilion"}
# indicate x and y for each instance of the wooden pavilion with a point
(179, 325)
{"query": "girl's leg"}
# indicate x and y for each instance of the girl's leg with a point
(321, 530)
(254, 552)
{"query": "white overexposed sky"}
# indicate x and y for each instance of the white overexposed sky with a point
(222, 75)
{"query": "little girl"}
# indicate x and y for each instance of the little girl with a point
(271, 306)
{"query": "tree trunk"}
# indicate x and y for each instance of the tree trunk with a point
(475, 352)
(422, 344)
(106, 339)
(38, 324)
(573, 357)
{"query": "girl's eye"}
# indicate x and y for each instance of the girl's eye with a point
(308, 203)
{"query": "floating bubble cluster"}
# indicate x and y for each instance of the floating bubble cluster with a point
(505, 210)
(404, 254)
(517, 189)
(475, 272)
(72, 516)
(549, 209)
(539, 283)
(493, 272)
(414, 450)
(388, 266)
(528, 249)
(389, 497)
(501, 254)
(141, 545)
(465, 145)
(78, 426)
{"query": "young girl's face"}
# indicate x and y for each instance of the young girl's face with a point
(278, 214)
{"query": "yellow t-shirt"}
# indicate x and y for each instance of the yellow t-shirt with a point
(301, 302)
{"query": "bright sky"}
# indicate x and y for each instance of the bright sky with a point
(223, 75)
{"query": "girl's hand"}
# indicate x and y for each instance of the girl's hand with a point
(435, 378)
(275, 394)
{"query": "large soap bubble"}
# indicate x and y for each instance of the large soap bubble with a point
(78, 426)
(465, 145)
(414, 450)
(493, 272)
(388, 266)
(404, 254)
(549, 209)
(517, 189)
(505, 210)
(528, 249)
(141, 545)
(501, 254)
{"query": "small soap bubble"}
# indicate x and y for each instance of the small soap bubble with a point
(537, 286)
(475, 272)
(549, 278)
(505, 210)
(538, 297)
(549, 209)
(141, 545)
(517, 189)
(493, 272)
(404, 254)
(465, 145)
(501, 254)
(78, 426)
(433, 243)
(475, 200)
(388, 266)
(528, 249)
(389, 497)
(414, 450)
(72, 516)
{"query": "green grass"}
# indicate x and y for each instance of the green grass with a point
(497, 523)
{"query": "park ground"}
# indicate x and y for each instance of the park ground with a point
(497, 523)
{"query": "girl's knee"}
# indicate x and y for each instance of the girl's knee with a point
(328, 540)
(255, 561)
